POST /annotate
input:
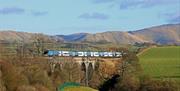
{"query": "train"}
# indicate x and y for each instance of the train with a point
(61, 53)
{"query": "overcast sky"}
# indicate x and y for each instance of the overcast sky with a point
(91, 16)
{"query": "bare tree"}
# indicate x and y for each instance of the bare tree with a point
(38, 44)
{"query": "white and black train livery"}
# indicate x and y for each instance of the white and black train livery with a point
(52, 53)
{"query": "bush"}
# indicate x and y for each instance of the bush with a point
(36, 75)
(11, 77)
(149, 84)
(26, 88)
(41, 88)
(2, 87)
(128, 83)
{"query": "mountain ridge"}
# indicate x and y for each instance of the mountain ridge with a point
(163, 34)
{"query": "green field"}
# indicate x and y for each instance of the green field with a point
(162, 62)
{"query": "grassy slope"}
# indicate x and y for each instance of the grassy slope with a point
(162, 62)
(78, 88)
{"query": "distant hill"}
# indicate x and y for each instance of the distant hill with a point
(73, 37)
(164, 34)
(114, 37)
(13, 36)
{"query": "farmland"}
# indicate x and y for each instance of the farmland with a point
(161, 62)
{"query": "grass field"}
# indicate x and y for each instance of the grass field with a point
(162, 62)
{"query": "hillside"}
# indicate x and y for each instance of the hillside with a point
(164, 34)
(114, 37)
(12, 36)
(72, 37)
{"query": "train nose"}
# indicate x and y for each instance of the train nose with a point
(45, 52)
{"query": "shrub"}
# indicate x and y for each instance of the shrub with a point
(11, 77)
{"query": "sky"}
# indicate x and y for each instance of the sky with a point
(86, 16)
